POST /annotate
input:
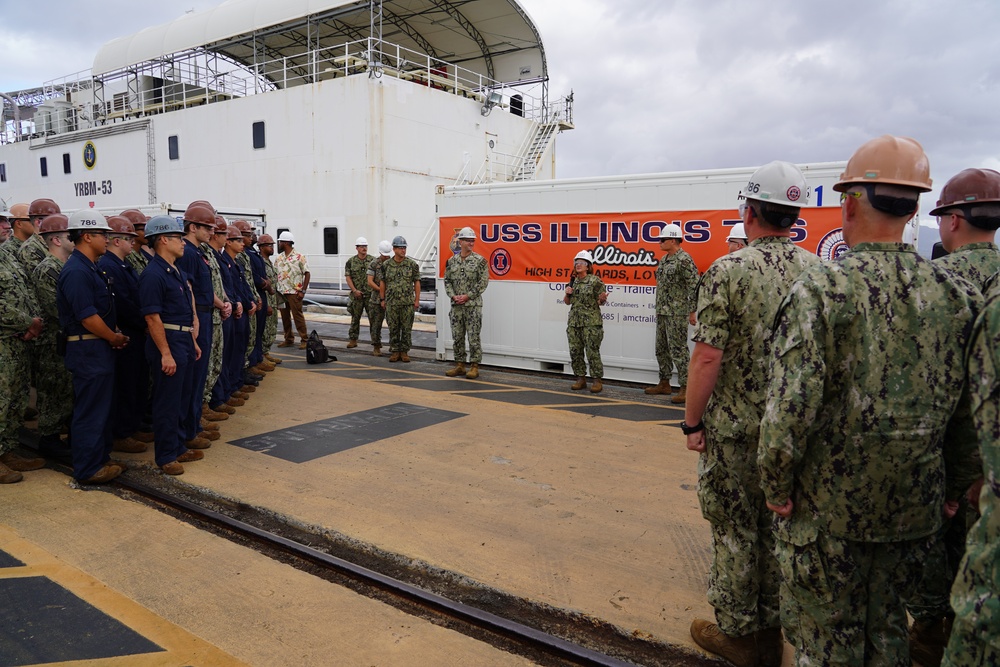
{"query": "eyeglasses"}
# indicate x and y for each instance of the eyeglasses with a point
(857, 194)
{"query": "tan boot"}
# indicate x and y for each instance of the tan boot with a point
(473, 372)
(128, 445)
(662, 388)
(596, 386)
(208, 425)
(581, 383)
(227, 409)
(680, 396)
(459, 369)
(21, 464)
(404, 357)
(394, 357)
(273, 360)
(770, 647)
(741, 651)
(8, 476)
(234, 402)
(211, 436)
(198, 442)
(352, 343)
(377, 351)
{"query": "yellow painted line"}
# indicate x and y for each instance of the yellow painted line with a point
(180, 646)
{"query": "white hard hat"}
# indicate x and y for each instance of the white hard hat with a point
(384, 248)
(779, 183)
(286, 236)
(467, 233)
(361, 241)
(671, 231)
(85, 219)
(737, 233)
(585, 256)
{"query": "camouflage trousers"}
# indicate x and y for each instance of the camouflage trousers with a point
(400, 320)
(214, 359)
(376, 316)
(586, 341)
(357, 307)
(15, 363)
(743, 583)
(672, 347)
(931, 600)
(975, 636)
(842, 601)
(252, 341)
(270, 329)
(469, 320)
(54, 388)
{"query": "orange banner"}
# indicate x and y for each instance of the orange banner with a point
(626, 249)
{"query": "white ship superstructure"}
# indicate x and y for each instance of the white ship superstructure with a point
(334, 119)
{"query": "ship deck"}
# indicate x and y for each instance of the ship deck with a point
(512, 484)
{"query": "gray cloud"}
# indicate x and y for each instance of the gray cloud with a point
(687, 84)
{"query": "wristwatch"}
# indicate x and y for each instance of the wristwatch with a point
(688, 430)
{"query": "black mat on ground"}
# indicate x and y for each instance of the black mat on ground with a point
(337, 434)
(6, 560)
(535, 397)
(372, 373)
(631, 412)
(435, 384)
(42, 622)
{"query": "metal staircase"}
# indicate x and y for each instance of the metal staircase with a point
(532, 154)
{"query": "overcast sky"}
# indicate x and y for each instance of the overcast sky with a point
(668, 85)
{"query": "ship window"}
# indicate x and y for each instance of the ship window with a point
(172, 147)
(44, 164)
(331, 246)
(258, 134)
(3, 173)
(67, 168)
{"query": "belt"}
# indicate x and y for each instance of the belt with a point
(203, 309)
(72, 339)
(177, 327)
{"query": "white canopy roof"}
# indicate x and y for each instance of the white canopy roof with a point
(496, 38)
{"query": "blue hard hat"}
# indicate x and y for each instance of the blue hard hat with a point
(399, 242)
(163, 224)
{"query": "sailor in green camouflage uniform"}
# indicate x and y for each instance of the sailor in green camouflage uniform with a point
(244, 260)
(967, 214)
(676, 299)
(863, 437)
(975, 598)
(55, 384)
(737, 300)
(585, 295)
(376, 313)
(466, 277)
(276, 301)
(356, 273)
(138, 259)
(19, 324)
(401, 299)
(221, 310)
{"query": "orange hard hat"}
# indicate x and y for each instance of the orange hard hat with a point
(888, 160)
(200, 215)
(233, 232)
(120, 225)
(202, 202)
(969, 186)
(53, 224)
(41, 208)
(243, 226)
(220, 224)
(135, 216)
(18, 212)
